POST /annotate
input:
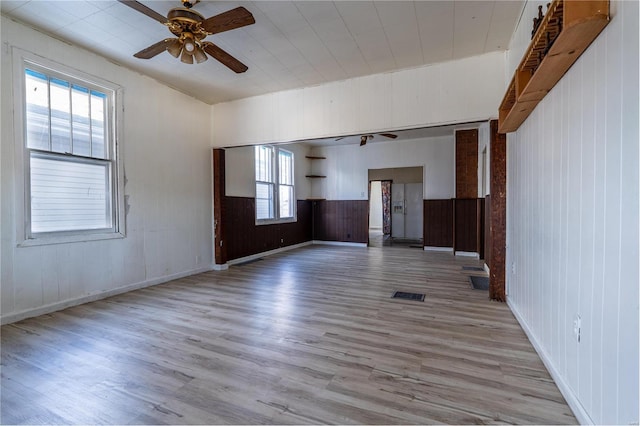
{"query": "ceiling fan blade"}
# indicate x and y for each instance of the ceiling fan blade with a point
(155, 49)
(232, 19)
(224, 58)
(144, 10)
(389, 135)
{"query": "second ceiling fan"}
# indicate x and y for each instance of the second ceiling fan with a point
(365, 138)
(191, 28)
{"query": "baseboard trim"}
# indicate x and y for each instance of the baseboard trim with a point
(339, 243)
(433, 248)
(467, 254)
(264, 253)
(220, 267)
(571, 398)
(58, 306)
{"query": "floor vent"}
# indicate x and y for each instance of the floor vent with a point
(479, 283)
(472, 268)
(408, 296)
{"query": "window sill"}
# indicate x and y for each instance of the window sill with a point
(65, 239)
(275, 221)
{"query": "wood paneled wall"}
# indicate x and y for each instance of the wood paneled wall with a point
(438, 223)
(244, 237)
(341, 220)
(467, 163)
(573, 223)
(466, 225)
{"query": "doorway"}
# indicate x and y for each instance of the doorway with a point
(396, 206)
(379, 211)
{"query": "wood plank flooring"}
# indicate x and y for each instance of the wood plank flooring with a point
(304, 337)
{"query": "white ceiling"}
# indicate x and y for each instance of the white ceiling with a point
(293, 44)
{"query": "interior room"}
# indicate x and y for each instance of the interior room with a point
(270, 212)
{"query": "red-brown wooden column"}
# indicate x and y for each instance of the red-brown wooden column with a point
(220, 248)
(498, 212)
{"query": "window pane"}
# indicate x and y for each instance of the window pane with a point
(286, 167)
(264, 201)
(69, 195)
(98, 108)
(60, 116)
(286, 201)
(264, 164)
(80, 104)
(37, 114)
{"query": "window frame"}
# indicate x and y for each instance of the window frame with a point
(275, 185)
(23, 60)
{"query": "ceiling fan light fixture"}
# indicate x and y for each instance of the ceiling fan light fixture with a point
(199, 55)
(175, 48)
(189, 43)
(186, 57)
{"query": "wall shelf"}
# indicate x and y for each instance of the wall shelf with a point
(311, 157)
(315, 176)
(567, 29)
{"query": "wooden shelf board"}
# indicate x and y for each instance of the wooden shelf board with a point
(311, 157)
(568, 47)
(315, 176)
(316, 199)
(586, 20)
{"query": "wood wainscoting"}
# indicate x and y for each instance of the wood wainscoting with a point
(438, 223)
(467, 225)
(341, 220)
(245, 238)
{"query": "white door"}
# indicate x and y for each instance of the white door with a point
(413, 211)
(397, 210)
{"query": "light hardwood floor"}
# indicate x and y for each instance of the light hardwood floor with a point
(307, 336)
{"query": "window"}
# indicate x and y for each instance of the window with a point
(275, 190)
(71, 173)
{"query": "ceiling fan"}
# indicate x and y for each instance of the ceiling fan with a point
(191, 28)
(365, 138)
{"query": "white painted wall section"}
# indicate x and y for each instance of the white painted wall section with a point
(240, 172)
(426, 96)
(167, 159)
(572, 220)
(347, 166)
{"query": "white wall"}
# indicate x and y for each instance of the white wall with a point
(240, 171)
(573, 225)
(483, 143)
(420, 97)
(168, 170)
(347, 166)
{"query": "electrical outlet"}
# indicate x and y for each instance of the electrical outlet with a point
(577, 325)
(282, 240)
(197, 260)
(513, 268)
